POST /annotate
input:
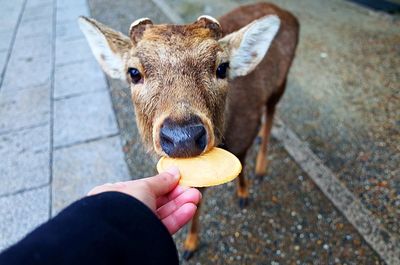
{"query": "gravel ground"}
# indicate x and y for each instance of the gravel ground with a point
(352, 118)
(352, 115)
(288, 221)
(347, 122)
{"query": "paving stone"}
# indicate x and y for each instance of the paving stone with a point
(78, 78)
(72, 12)
(24, 159)
(61, 4)
(21, 213)
(36, 27)
(84, 117)
(11, 5)
(34, 3)
(5, 39)
(77, 169)
(72, 51)
(10, 11)
(30, 63)
(3, 59)
(68, 30)
(38, 11)
(26, 71)
(32, 52)
(9, 24)
(23, 108)
(32, 47)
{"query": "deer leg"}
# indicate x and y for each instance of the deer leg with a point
(263, 118)
(192, 239)
(268, 119)
(242, 184)
(262, 159)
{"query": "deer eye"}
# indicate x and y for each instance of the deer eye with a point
(136, 76)
(221, 70)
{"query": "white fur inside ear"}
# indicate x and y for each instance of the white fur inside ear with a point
(209, 18)
(110, 61)
(254, 44)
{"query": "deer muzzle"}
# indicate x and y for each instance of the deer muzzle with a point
(185, 138)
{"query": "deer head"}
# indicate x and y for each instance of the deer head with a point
(179, 75)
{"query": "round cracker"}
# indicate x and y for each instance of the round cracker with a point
(215, 167)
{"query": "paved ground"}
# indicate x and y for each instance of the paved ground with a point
(59, 135)
(58, 132)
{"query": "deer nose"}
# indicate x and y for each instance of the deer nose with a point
(186, 139)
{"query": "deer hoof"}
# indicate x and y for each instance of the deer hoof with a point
(187, 254)
(260, 175)
(243, 202)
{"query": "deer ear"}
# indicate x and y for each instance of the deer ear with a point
(108, 46)
(138, 27)
(249, 45)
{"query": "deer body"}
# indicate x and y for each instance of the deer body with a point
(204, 84)
(248, 95)
(252, 96)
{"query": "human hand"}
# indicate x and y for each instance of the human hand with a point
(173, 204)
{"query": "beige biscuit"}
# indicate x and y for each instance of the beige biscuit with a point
(215, 167)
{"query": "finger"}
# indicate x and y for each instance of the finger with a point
(190, 195)
(163, 183)
(180, 217)
(178, 190)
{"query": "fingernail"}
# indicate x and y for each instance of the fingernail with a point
(173, 171)
(200, 194)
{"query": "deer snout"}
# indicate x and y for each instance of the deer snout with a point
(183, 139)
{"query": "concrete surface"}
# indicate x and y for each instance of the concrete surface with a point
(22, 212)
(25, 159)
(72, 81)
(31, 108)
(58, 133)
(70, 113)
(72, 178)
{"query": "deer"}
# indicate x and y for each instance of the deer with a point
(205, 84)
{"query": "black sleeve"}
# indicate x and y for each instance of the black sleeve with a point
(109, 228)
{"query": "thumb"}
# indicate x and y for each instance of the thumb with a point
(164, 182)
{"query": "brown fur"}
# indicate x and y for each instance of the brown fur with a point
(179, 65)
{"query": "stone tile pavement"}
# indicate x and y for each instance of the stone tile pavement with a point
(58, 133)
